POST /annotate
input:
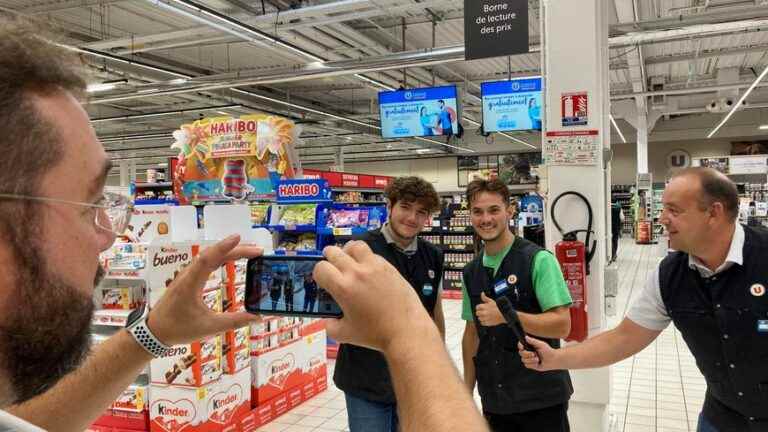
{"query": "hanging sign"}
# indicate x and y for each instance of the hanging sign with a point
(574, 109)
(748, 165)
(494, 28)
(571, 148)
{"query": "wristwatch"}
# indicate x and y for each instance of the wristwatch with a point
(137, 327)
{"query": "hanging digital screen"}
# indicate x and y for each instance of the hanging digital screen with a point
(512, 105)
(419, 112)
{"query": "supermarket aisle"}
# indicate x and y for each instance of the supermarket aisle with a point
(659, 390)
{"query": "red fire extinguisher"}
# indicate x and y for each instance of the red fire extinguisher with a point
(574, 262)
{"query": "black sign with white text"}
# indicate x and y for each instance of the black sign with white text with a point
(494, 28)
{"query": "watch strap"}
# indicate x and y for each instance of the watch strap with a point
(147, 340)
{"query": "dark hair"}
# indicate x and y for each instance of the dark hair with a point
(413, 189)
(715, 187)
(31, 65)
(495, 186)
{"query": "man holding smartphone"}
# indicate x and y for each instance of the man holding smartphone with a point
(513, 282)
(362, 373)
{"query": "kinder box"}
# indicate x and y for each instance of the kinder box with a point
(281, 370)
(179, 409)
(192, 365)
(230, 401)
(237, 355)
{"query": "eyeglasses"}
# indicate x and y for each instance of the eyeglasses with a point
(114, 215)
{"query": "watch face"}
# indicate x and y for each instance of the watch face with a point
(135, 315)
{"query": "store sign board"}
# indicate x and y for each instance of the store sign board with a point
(342, 179)
(571, 148)
(720, 164)
(303, 190)
(574, 109)
(748, 165)
(495, 28)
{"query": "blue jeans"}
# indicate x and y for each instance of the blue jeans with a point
(705, 425)
(367, 416)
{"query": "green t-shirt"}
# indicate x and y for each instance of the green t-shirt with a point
(548, 283)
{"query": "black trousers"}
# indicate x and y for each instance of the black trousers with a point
(615, 244)
(550, 419)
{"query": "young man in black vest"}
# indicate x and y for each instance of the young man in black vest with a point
(515, 272)
(360, 372)
(713, 289)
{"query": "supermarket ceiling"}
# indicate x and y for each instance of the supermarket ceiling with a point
(163, 63)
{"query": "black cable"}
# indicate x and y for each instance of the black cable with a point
(571, 235)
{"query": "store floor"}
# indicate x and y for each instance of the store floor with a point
(658, 390)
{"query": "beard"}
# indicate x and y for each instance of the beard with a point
(46, 332)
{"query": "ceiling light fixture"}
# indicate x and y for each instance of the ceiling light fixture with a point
(615, 126)
(162, 114)
(100, 87)
(517, 140)
(738, 104)
(763, 127)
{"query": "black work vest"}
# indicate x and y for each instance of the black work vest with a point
(504, 384)
(363, 372)
(719, 317)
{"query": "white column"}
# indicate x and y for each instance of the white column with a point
(339, 158)
(124, 174)
(642, 143)
(575, 51)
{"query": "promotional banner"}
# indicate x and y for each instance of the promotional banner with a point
(418, 112)
(494, 28)
(227, 158)
(511, 105)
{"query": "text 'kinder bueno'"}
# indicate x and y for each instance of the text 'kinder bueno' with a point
(191, 365)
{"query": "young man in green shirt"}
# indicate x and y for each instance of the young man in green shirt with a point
(529, 279)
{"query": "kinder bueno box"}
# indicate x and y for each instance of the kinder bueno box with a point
(231, 400)
(213, 299)
(193, 365)
(179, 409)
(133, 399)
(121, 297)
(164, 263)
(237, 354)
(234, 285)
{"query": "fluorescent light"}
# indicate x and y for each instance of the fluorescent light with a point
(738, 104)
(517, 140)
(162, 114)
(162, 164)
(763, 127)
(615, 126)
(100, 87)
(423, 150)
(374, 82)
(222, 113)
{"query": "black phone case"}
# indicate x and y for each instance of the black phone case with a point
(250, 274)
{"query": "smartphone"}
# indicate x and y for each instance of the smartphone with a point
(284, 285)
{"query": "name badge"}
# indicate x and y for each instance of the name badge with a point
(500, 287)
(427, 289)
(762, 326)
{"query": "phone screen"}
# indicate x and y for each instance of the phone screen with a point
(280, 285)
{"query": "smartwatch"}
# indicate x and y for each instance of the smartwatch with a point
(137, 327)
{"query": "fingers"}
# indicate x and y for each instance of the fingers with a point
(538, 344)
(328, 277)
(221, 322)
(210, 259)
(358, 250)
(485, 298)
(335, 329)
(339, 258)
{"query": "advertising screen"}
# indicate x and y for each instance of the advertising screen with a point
(418, 112)
(512, 105)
